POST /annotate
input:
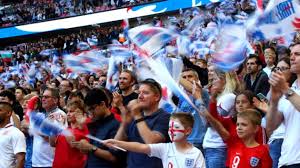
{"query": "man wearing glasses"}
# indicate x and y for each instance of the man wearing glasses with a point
(144, 122)
(103, 126)
(43, 153)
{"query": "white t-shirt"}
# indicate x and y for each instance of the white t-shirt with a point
(290, 150)
(268, 70)
(42, 152)
(171, 158)
(12, 142)
(212, 139)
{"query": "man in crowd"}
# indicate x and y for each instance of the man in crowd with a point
(17, 115)
(43, 153)
(126, 82)
(144, 122)
(12, 141)
(285, 107)
(190, 81)
(65, 87)
(20, 93)
(103, 126)
(256, 79)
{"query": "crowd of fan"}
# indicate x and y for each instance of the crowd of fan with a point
(31, 11)
(245, 118)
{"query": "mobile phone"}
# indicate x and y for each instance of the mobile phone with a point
(262, 97)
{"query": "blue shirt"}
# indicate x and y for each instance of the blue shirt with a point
(103, 129)
(159, 122)
(199, 128)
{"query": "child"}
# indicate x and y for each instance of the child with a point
(243, 150)
(179, 153)
(66, 155)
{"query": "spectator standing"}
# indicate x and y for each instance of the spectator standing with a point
(284, 107)
(43, 153)
(12, 141)
(179, 153)
(103, 126)
(144, 123)
(256, 79)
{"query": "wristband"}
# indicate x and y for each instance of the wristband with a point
(139, 120)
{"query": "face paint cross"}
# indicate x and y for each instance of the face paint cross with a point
(176, 130)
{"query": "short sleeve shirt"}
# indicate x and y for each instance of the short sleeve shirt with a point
(158, 122)
(12, 142)
(170, 157)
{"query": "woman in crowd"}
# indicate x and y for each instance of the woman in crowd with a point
(214, 148)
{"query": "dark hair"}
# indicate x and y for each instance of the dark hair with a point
(293, 76)
(22, 89)
(96, 96)
(70, 83)
(248, 93)
(155, 86)
(6, 105)
(258, 61)
(76, 93)
(294, 44)
(55, 81)
(9, 94)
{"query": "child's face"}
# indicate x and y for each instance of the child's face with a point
(176, 130)
(242, 103)
(245, 128)
(73, 114)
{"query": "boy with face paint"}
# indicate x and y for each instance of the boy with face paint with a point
(179, 153)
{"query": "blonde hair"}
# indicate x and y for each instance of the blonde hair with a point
(232, 84)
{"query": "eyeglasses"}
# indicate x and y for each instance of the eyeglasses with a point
(46, 97)
(280, 69)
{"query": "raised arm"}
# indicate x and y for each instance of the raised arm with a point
(217, 125)
(126, 118)
(149, 136)
(274, 117)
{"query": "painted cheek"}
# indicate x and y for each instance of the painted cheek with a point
(175, 133)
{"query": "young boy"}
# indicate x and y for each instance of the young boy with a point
(179, 153)
(243, 150)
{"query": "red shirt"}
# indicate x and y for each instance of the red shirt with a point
(230, 125)
(65, 155)
(241, 156)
